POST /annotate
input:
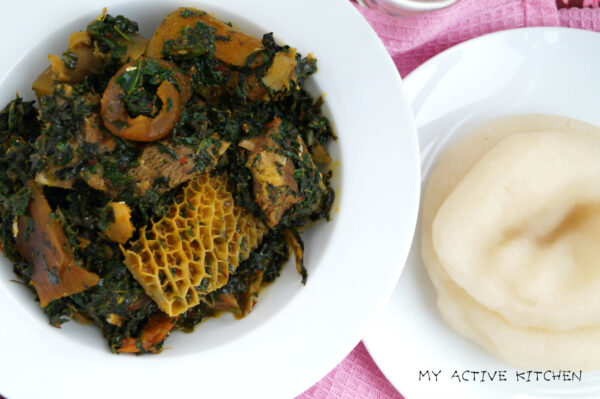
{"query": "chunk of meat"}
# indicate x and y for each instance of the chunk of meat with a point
(91, 133)
(232, 51)
(136, 49)
(255, 89)
(281, 70)
(41, 241)
(120, 229)
(136, 44)
(225, 302)
(175, 164)
(153, 333)
(80, 43)
(319, 154)
(247, 299)
(43, 85)
(89, 60)
(277, 77)
(115, 319)
(275, 189)
(293, 240)
(47, 177)
(241, 303)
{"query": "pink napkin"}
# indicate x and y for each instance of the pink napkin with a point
(412, 41)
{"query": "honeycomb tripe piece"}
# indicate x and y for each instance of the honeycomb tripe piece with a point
(195, 247)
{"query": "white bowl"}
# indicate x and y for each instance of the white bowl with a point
(296, 333)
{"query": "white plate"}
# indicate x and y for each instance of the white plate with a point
(296, 333)
(531, 70)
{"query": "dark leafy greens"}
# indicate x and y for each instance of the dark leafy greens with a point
(84, 168)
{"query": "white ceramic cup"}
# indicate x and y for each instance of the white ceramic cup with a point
(406, 7)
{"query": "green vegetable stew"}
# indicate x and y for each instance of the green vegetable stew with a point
(158, 182)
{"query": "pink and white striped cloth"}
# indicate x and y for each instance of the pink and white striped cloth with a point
(412, 41)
